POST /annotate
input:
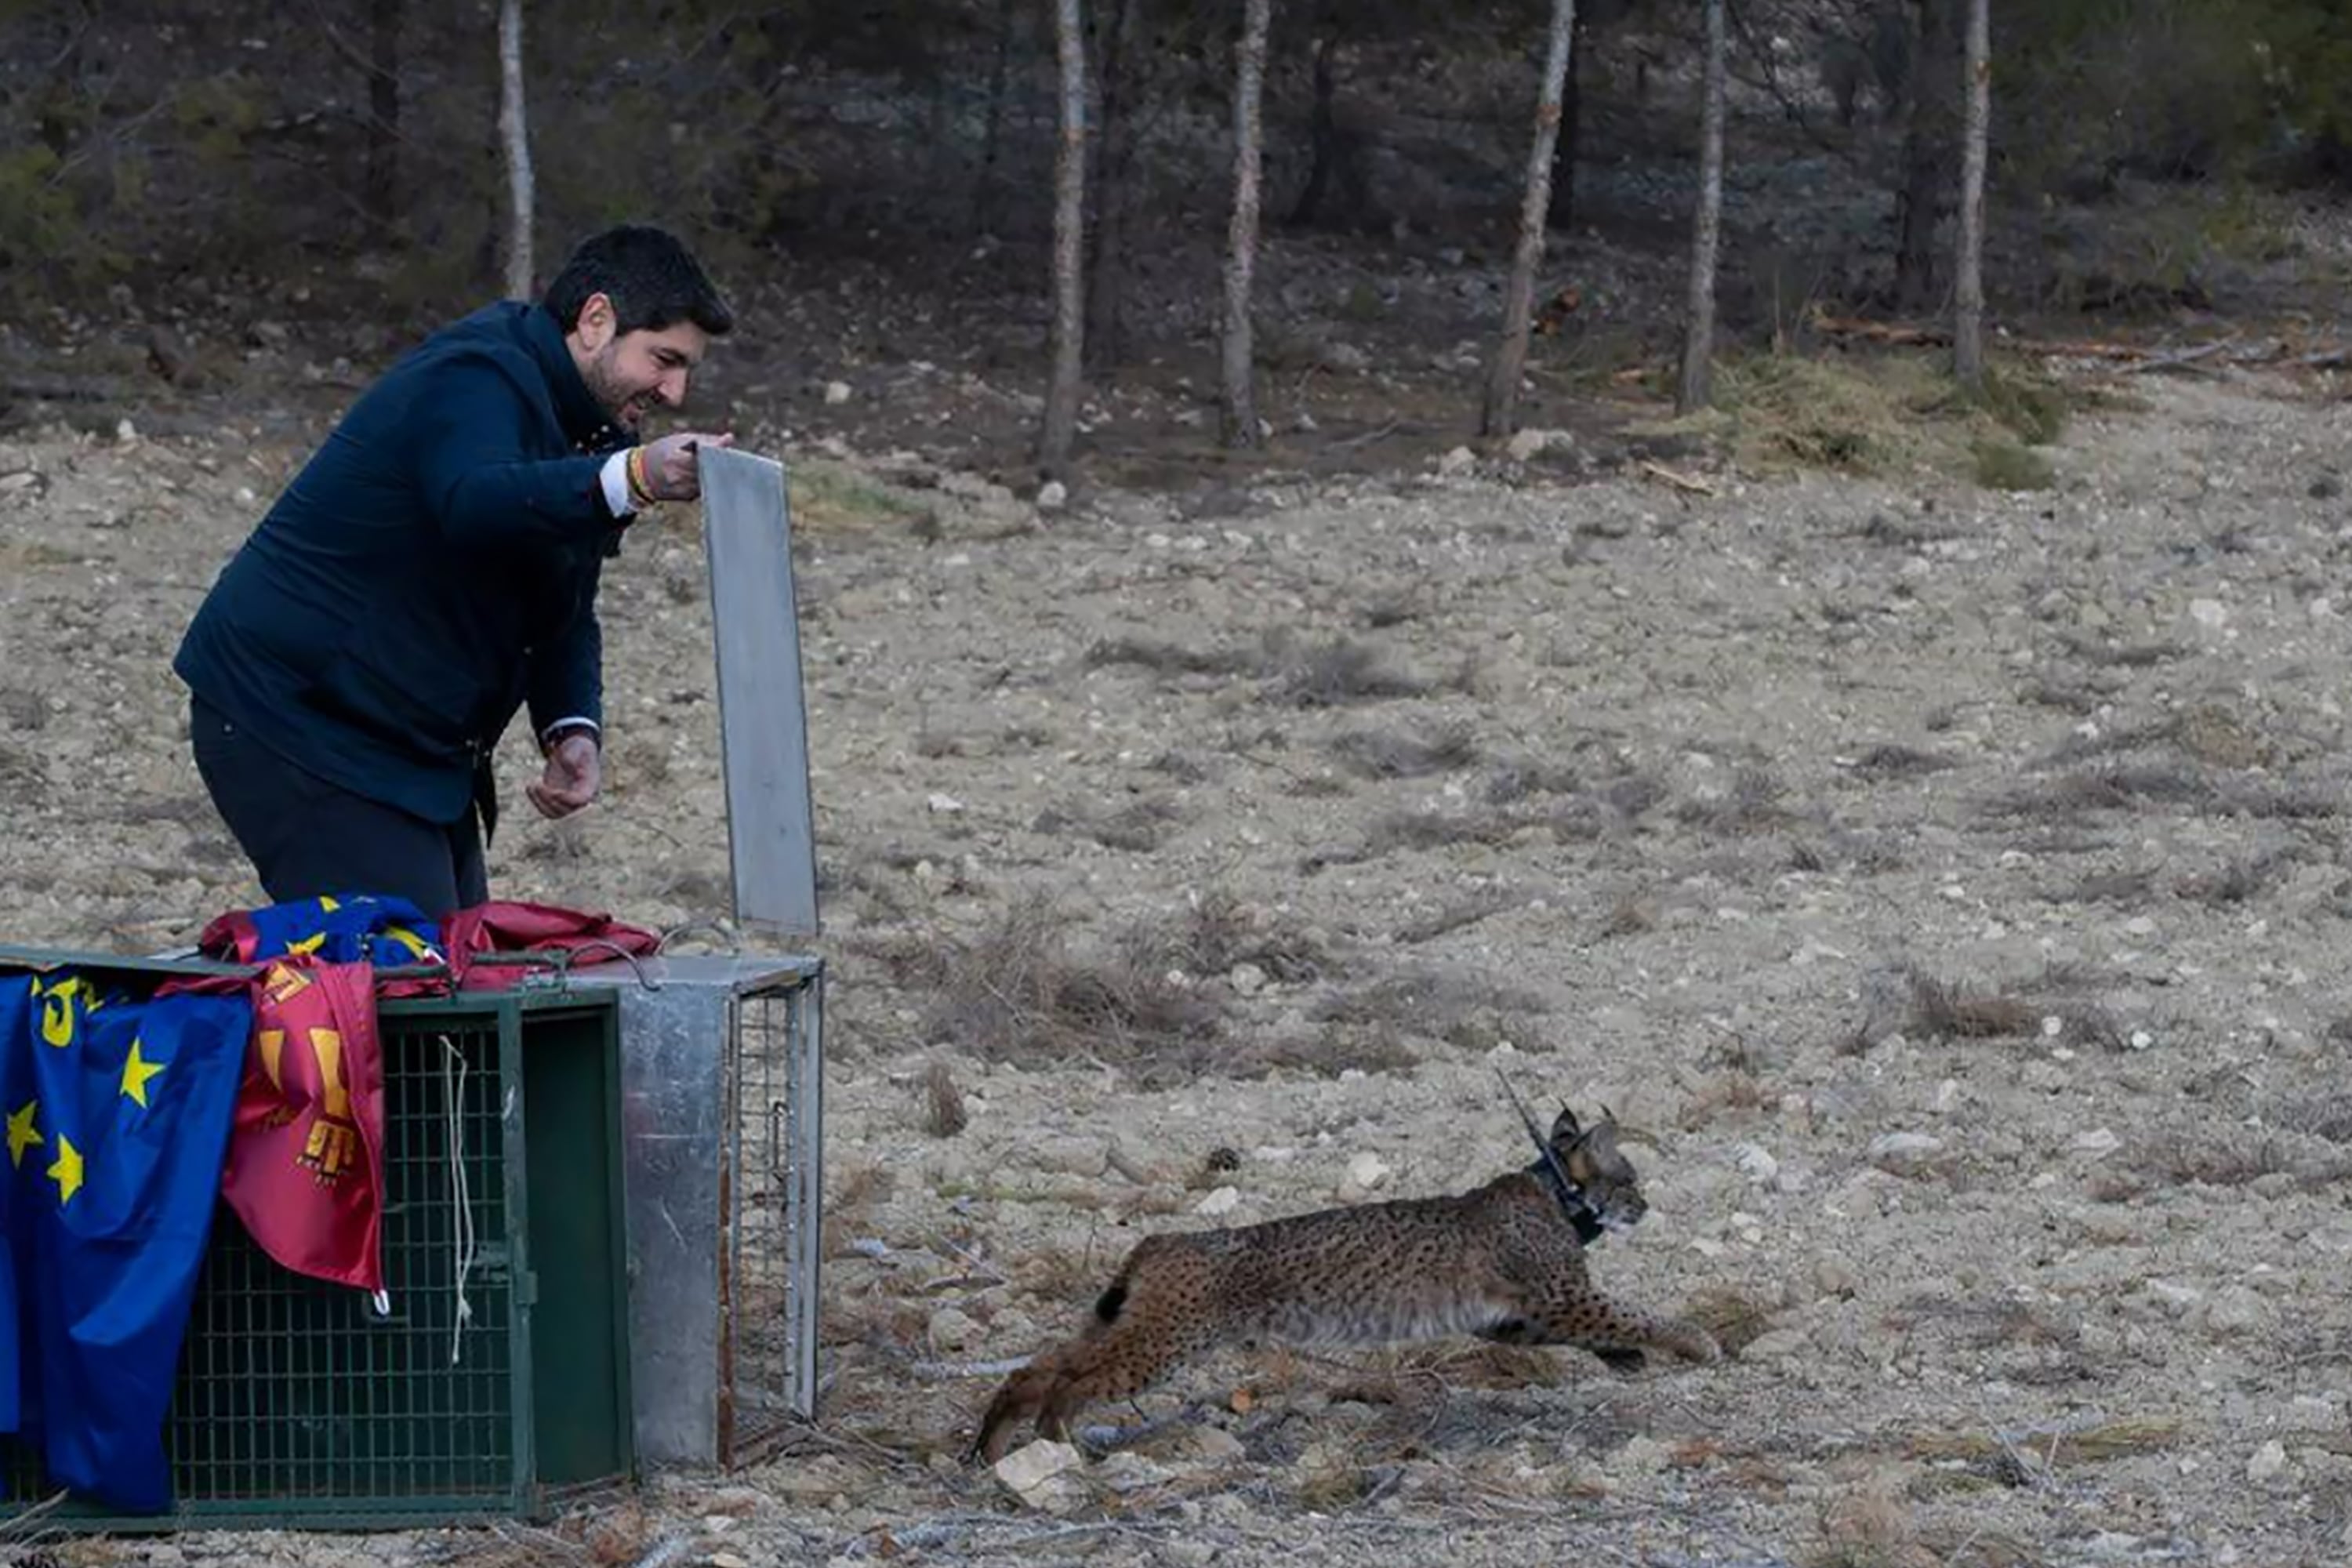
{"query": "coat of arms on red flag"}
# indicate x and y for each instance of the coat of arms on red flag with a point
(305, 1163)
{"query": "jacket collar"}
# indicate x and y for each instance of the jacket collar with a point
(585, 421)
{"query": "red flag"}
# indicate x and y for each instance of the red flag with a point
(306, 1163)
(505, 925)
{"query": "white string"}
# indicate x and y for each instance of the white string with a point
(461, 1246)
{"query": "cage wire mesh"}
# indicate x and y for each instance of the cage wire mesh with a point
(297, 1397)
(771, 1199)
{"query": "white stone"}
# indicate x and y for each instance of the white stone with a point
(1457, 461)
(1774, 1344)
(946, 805)
(1247, 979)
(836, 393)
(1526, 444)
(1755, 1163)
(2269, 1462)
(1902, 1152)
(2210, 614)
(1053, 495)
(1222, 1201)
(1026, 1472)
(2093, 1140)
(2236, 1310)
(1367, 1171)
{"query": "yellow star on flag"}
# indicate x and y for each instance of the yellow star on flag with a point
(21, 1134)
(66, 1170)
(136, 1070)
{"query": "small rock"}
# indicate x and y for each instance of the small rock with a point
(1757, 1164)
(1526, 444)
(946, 805)
(1029, 1473)
(2210, 614)
(1213, 1445)
(2268, 1464)
(1457, 461)
(1834, 1276)
(1346, 358)
(1052, 496)
(1904, 1153)
(1641, 1456)
(1775, 1343)
(2236, 1310)
(2174, 1297)
(836, 393)
(952, 1329)
(1247, 979)
(2094, 1142)
(1367, 1171)
(726, 1560)
(1222, 1201)
(126, 432)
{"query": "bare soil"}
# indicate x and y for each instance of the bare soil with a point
(1950, 885)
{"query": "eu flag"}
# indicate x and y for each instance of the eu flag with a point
(117, 1115)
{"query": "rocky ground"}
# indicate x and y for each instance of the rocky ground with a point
(1950, 886)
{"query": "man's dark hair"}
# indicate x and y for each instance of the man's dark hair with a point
(653, 280)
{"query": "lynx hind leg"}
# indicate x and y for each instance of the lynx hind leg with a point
(1155, 1314)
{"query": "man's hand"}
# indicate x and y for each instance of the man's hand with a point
(575, 771)
(671, 468)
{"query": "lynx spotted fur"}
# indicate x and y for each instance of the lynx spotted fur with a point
(1505, 1262)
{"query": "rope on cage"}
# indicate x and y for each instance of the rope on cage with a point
(461, 1242)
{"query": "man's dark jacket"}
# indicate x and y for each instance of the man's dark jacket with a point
(431, 568)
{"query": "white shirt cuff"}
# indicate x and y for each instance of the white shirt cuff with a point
(616, 478)
(590, 725)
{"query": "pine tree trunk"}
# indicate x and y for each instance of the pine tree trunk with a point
(1968, 324)
(1500, 411)
(514, 139)
(1927, 152)
(1698, 324)
(381, 198)
(1069, 246)
(1114, 140)
(983, 187)
(1240, 420)
(1561, 212)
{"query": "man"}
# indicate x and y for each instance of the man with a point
(432, 569)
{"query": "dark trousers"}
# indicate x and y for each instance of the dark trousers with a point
(306, 837)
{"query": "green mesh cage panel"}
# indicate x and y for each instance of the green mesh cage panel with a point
(297, 1402)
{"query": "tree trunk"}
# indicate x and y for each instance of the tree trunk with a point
(1069, 246)
(1322, 134)
(1968, 322)
(1699, 325)
(381, 198)
(1502, 404)
(1561, 212)
(1106, 190)
(514, 139)
(1240, 421)
(985, 186)
(1928, 154)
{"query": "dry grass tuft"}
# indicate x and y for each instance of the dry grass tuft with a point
(1138, 827)
(1018, 992)
(1388, 755)
(1428, 1003)
(2051, 1450)
(1751, 806)
(1170, 658)
(1942, 1011)
(1518, 778)
(944, 1110)
(1332, 675)
(1889, 760)
(1219, 933)
(1631, 915)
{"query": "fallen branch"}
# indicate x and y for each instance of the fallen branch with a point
(1681, 481)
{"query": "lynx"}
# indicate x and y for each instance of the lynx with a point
(1505, 1262)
